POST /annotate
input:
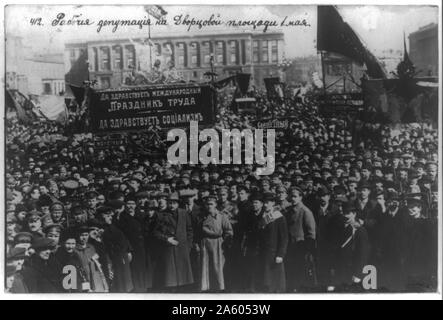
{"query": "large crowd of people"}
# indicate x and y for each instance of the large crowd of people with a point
(122, 219)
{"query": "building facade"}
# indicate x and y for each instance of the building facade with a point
(110, 61)
(31, 73)
(423, 50)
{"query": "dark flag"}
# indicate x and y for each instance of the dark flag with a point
(274, 88)
(79, 71)
(78, 92)
(335, 35)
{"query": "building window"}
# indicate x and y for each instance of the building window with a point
(118, 58)
(130, 56)
(274, 51)
(47, 88)
(95, 53)
(220, 53)
(194, 74)
(264, 51)
(181, 55)
(194, 55)
(105, 55)
(255, 57)
(233, 52)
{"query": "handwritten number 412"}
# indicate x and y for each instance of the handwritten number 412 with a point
(36, 22)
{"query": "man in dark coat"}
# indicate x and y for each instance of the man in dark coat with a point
(328, 221)
(392, 233)
(42, 273)
(273, 242)
(174, 231)
(353, 253)
(196, 214)
(301, 225)
(151, 242)
(419, 249)
(119, 250)
(133, 230)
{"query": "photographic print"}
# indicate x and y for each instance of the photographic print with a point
(229, 149)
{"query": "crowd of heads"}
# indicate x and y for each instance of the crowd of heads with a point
(55, 180)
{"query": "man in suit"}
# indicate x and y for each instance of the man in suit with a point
(175, 235)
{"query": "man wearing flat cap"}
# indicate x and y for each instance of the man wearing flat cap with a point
(302, 235)
(175, 235)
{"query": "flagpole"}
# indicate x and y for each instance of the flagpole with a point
(150, 47)
(323, 72)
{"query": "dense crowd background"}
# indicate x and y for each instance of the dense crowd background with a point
(345, 194)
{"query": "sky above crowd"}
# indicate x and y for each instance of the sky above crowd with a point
(381, 28)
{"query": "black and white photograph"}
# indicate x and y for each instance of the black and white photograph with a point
(165, 149)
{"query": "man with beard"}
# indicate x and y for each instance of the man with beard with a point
(42, 273)
(272, 243)
(119, 250)
(175, 235)
(133, 229)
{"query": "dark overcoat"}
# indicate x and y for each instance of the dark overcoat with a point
(174, 264)
(133, 230)
(273, 242)
(118, 247)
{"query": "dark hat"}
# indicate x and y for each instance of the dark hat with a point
(256, 196)
(116, 204)
(349, 207)
(268, 196)
(41, 243)
(413, 202)
(341, 198)
(364, 185)
(23, 237)
(83, 229)
(54, 226)
(323, 191)
(91, 194)
(142, 194)
(16, 253)
(95, 223)
(151, 204)
(56, 204)
(33, 216)
(44, 200)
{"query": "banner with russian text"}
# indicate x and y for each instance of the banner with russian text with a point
(144, 108)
